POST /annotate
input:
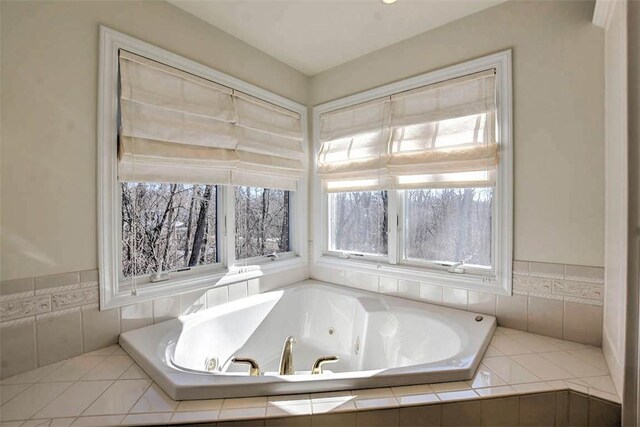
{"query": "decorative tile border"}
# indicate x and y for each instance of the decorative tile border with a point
(32, 303)
(571, 285)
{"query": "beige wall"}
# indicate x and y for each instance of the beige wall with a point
(558, 108)
(49, 101)
(49, 85)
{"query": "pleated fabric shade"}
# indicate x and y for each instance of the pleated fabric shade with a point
(180, 128)
(440, 135)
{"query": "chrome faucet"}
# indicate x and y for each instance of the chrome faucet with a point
(286, 360)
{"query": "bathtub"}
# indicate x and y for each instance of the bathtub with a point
(380, 341)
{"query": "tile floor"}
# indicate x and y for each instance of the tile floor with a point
(106, 387)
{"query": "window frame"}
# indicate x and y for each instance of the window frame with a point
(497, 279)
(115, 292)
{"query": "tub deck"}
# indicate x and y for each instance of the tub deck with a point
(106, 387)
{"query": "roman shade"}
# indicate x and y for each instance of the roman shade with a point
(440, 135)
(180, 128)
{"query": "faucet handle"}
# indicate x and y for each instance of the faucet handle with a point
(317, 366)
(254, 368)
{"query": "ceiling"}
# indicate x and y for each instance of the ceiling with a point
(315, 35)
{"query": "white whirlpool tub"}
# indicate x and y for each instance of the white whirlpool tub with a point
(380, 340)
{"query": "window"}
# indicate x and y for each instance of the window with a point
(167, 227)
(449, 225)
(415, 178)
(262, 222)
(358, 222)
(201, 176)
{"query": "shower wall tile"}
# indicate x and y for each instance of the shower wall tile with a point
(388, 285)
(353, 279)
(461, 414)
(59, 336)
(582, 323)
(409, 289)
(237, 291)
(431, 293)
(217, 296)
(99, 328)
(370, 282)
(545, 316)
(511, 311)
(193, 302)
(480, 302)
(136, 316)
(8, 287)
(500, 412)
(454, 298)
(536, 409)
(166, 308)
(17, 348)
(57, 280)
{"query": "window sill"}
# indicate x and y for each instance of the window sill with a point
(468, 281)
(204, 281)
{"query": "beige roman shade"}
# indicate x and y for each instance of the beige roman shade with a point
(179, 128)
(353, 153)
(440, 135)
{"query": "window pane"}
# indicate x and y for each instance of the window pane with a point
(358, 222)
(167, 227)
(262, 221)
(449, 225)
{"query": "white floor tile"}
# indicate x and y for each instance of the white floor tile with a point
(8, 392)
(109, 369)
(119, 398)
(102, 421)
(592, 356)
(510, 371)
(572, 364)
(31, 400)
(536, 343)
(134, 372)
(74, 369)
(603, 383)
(200, 405)
(74, 400)
(485, 377)
(541, 368)
(146, 419)
(154, 400)
(32, 376)
(195, 417)
(508, 346)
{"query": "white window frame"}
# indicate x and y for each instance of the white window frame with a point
(113, 291)
(497, 279)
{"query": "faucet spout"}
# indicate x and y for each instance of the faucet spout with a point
(286, 360)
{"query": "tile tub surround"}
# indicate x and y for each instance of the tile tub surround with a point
(50, 318)
(47, 319)
(557, 300)
(524, 379)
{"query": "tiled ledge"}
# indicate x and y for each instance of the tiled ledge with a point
(105, 387)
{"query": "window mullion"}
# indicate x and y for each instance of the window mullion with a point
(229, 225)
(393, 226)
